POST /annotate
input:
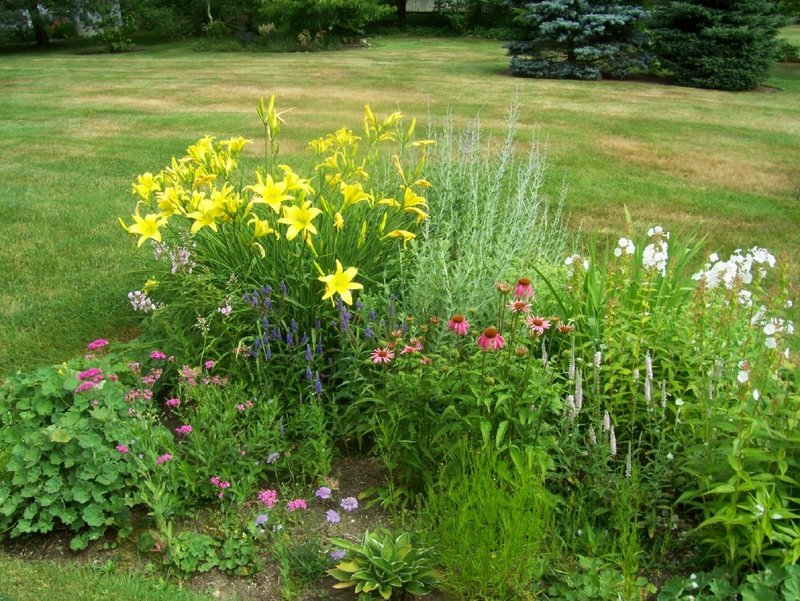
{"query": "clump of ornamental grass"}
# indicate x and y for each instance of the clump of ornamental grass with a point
(489, 218)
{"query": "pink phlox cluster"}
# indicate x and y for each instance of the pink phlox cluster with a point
(97, 344)
(172, 403)
(244, 406)
(152, 377)
(122, 449)
(296, 504)
(268, 497)
(163, 458)
(183, 430)
(158, 355)
(135, 394)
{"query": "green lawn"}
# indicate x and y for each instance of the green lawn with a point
(34, 580)
(75, 129)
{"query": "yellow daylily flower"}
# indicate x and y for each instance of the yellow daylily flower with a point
(201, 151)
(269, 192)
(412, 202)
(226, 199)
(320, 145)
(261, 228)
(299, 219)
(235, 145)
(294, 181)
(223, 163)
(202, 177)
(206, 215)
(170, 201)
(404, 234)
(389, 202)
(146, 184)
(340, 282)
(353, 193)
(148, 227)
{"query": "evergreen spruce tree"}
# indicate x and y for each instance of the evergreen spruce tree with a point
(578, 39)
(720, 44)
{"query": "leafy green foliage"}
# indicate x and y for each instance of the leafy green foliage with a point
(342, 17)
(774, 583)
(578, 39)
(725, 45)
(384, 564)
(62, 464)
(490, 523)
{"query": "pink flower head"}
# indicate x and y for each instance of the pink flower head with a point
(172, 402)
(538, 325)
(183, 430)
(523, 289)
(491, 339)
(519, 306)
(122, 449)
(157, 355)
(426, 361)
(215, 480)
(95, 374)
(97, 344)
(208, 364)
(414, 347)
(459, 325)
(224, 484)
(163, 459)
(382, 355)
(84, 386)
(296, 504)
(268, 497)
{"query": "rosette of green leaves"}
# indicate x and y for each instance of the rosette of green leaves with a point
(383, 564)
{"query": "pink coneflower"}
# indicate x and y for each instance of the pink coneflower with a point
(122, 449)
(491, 339)
(459, 325)
(157, 355)
(382, 355)
(414, 347)
(565, 328)
(519, 306)
(97, 344)
(523, 289)
(538, 325)
(163, 459)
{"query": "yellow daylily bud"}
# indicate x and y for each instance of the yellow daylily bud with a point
(404, 234)
(398, 167)
(338, 221)
(260, 249)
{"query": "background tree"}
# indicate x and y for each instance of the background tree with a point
(720, 44)
(21, 14)
(578, 39)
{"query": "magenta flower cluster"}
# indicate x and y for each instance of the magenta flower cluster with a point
(268, 497)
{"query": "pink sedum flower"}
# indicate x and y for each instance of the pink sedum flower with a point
(459, 325)
(491, 340)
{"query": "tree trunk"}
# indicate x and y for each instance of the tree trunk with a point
(401, 13)
(39, 30)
